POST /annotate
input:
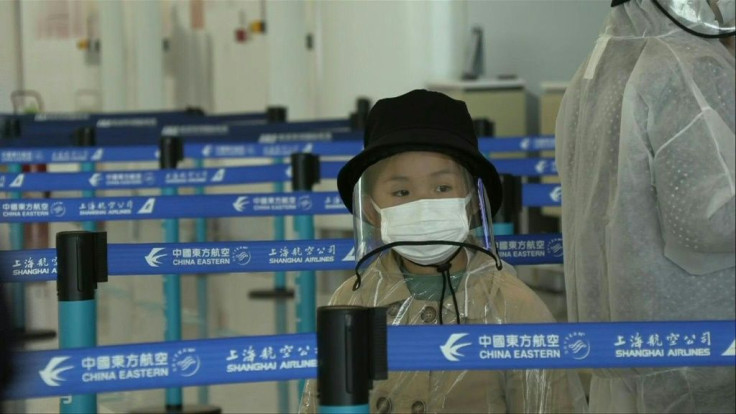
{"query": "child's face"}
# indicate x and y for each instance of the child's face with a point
(412, 176)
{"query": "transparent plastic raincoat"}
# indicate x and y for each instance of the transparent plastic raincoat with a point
(420, 196)
(645, 152)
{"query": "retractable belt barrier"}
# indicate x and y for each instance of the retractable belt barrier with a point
(49, 125)
(147, 131)
(191, 206)
(326, 147)
(446, 347)
(127, 179)
(251, 256)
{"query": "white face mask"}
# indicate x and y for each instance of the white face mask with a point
(442, 219)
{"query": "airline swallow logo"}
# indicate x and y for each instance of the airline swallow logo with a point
(207, 150)
(18, 181)
(219, 176)
(147, 208)
(451, 350)
(97, 154)
(51, 374)
(350, 256)
(94, 180)
(556, 194)
(731, 351)
(525, 144)
(240, 203)
(153, 257)
(541, 166)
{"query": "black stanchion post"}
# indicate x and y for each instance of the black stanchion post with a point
(304, 174)
(11, 127)
(484, 127)
(352, 352)
(82, 264)
(86, 137)
(276, 114)
(359, 118)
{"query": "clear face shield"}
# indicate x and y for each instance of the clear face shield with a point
(421, 207)
(705, 18)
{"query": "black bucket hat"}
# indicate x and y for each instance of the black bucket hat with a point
(420, 120)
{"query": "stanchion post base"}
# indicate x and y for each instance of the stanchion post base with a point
(185, 409)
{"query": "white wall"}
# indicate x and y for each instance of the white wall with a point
(9, 53)
(538, 40)
(384, 48)
(240, 70)
(52, 65)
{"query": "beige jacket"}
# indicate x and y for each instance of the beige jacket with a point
(485, 296)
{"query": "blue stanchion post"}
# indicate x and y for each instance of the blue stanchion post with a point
(82, 264)
(280, 293)
(305, 172)
(171, 151)
(16, 243)
(12, 130)
(86, 137)
(352, 344)
(200, 229)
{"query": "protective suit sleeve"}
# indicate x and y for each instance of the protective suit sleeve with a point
(308, 403)
(691, 158)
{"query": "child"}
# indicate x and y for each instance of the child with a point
(422, 198)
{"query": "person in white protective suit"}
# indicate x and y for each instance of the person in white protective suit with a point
(422, 198)
(645, 153)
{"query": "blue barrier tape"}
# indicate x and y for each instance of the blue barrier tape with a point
(171, 116)
(110, 180)
(129, 125)
(204, 131)
(447, 347)
(232, 150)
(251, 256)
(541, 195)
(193, 206)
(196, 206)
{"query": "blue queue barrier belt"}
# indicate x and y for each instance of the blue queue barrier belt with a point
(157, 207)
(446, 347)
(251, 256)
(110, 180)
(63, 154)
(541, 195)
(197, 206)
(143, 131)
